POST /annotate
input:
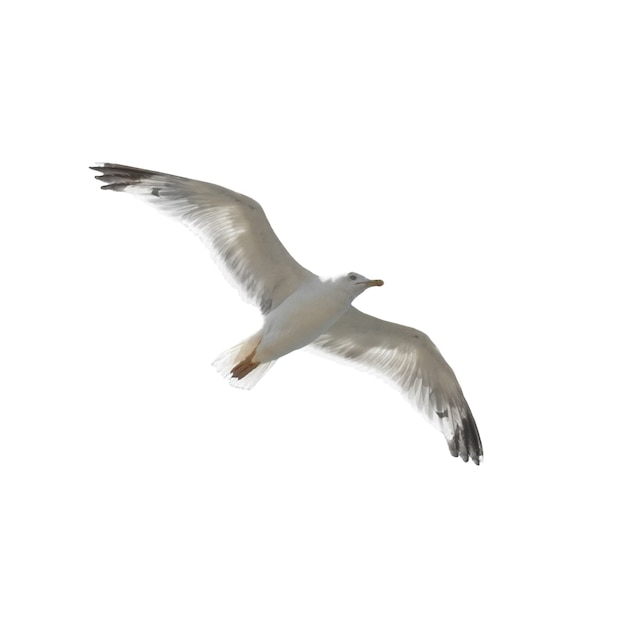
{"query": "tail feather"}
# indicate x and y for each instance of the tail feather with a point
(226, 362)
(251, 379)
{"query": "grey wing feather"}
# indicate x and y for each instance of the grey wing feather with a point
(410, 360)
(233, 226)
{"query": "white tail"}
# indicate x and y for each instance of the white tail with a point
(226, 361)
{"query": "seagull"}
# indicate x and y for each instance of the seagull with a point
(299, 308)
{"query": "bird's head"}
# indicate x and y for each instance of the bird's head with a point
(357, 283)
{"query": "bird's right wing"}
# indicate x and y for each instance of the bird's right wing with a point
(233, 226)
(411, 361)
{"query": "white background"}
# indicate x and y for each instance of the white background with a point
(472, 154)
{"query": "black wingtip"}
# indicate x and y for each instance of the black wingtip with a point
(102, 168)
(473, 444)
(118, 177)
(466, 441)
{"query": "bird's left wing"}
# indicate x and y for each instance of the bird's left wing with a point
(233, 226)
(410, 360)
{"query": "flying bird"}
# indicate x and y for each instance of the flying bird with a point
(299, 308)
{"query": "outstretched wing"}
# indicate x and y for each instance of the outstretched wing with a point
(233, 226)
(411, 361)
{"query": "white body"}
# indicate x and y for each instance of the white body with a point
(301, 318)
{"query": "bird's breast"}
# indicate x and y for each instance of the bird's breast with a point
(300, 319)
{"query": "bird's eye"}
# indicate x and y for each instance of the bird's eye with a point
(352, 276)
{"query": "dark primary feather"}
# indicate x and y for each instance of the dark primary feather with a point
(118, 177)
